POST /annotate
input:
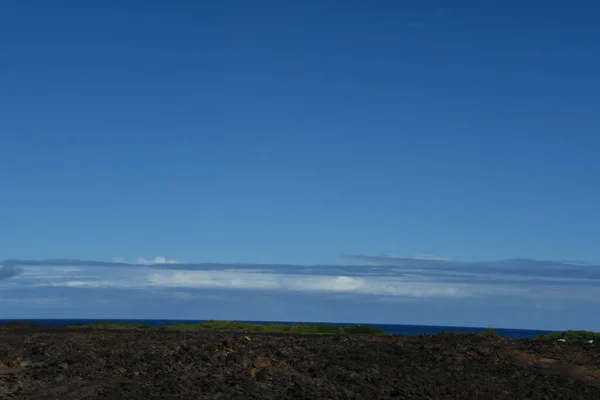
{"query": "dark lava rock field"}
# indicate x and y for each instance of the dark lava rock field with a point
(40, 362)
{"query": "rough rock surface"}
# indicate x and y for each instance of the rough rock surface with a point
(39, 362)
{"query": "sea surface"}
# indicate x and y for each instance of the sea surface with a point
(409, 330)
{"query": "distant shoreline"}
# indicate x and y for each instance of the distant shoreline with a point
(251, 328)
(392, 329)
(241, 327)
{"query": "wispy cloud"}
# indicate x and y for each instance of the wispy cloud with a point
(422, 288)
(392, 259)
(306, 283)
(7, 271)
(144, 261)
(11, 268)
(430, 18)
(38, 302)
(247, 279)
(418, 289)
(439, 13)
(421, 256)
(423, 275)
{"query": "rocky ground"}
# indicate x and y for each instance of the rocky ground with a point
(60, 363)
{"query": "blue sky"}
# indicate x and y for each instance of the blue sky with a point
(280, 132)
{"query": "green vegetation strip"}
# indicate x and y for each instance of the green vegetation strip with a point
(572, 336)
(310, 329)
(246, 327)
(568, 336)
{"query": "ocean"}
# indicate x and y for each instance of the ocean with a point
(409, 330)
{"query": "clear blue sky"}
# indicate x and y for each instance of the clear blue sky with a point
(283, 131)
(299, 131)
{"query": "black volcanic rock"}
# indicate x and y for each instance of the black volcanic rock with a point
(38, 362)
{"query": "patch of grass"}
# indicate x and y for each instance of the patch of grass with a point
(113, 325)
(246, 327)
(571, 336)
(489, 333)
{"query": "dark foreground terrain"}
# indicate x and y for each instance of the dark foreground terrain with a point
(60, 363)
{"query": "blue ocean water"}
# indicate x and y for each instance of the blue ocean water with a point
(409, 330)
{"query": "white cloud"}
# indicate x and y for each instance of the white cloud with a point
(439, 13)
(144, 261)
(232, 279)
(399, 280)
(65, 269)
(422, 256)
(236, 279)
(40, 302)
(156, 260)
(508, 292)
(395, 258)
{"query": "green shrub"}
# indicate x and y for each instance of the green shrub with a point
(490, 333)
(233, 326)
(571, 336)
